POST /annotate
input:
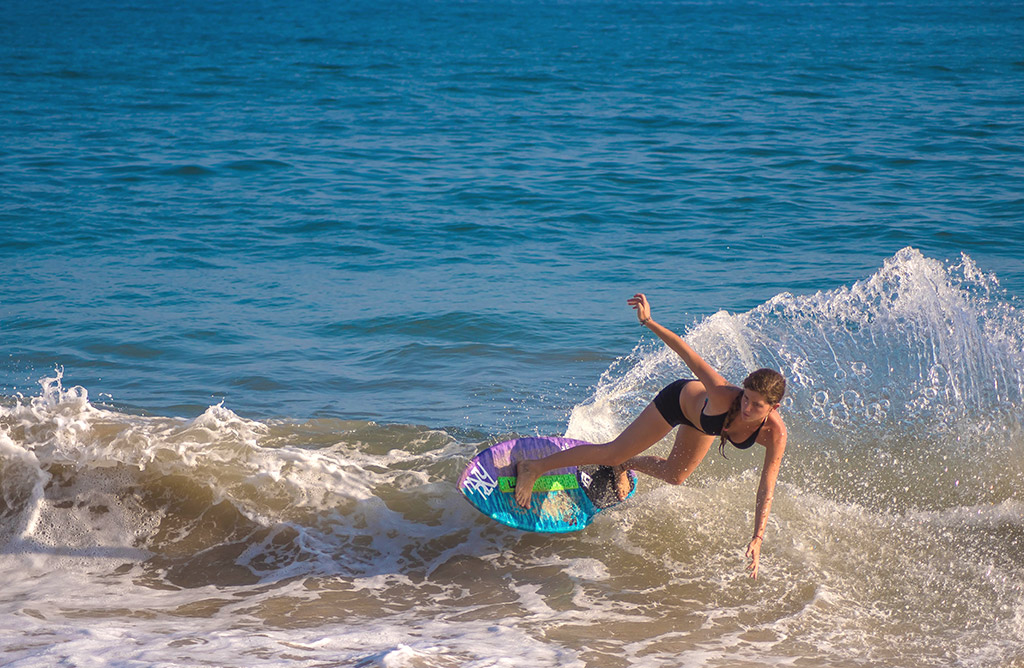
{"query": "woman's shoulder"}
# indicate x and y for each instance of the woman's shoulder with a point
(727, 392)
(774, 427)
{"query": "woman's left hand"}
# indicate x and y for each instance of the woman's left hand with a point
(754, 554)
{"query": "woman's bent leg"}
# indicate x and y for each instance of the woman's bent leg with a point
(690, 448)
(646, 430)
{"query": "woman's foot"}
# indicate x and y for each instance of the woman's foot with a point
(623, 485)
(527, 473)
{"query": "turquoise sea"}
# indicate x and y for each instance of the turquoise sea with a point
(274, 271)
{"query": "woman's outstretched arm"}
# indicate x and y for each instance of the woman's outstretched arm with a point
(774, 447)
(704, 372)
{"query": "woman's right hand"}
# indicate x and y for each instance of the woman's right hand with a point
(643, 309)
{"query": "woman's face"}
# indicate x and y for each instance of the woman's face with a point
(754, 406)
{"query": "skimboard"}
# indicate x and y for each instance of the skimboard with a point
(563, 499)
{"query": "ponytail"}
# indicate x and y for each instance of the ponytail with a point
(734, 408)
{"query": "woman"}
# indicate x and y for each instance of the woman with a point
(703, 408)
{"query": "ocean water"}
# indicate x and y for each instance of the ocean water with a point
(274, 271)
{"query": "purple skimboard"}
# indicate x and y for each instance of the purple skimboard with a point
(563, 499)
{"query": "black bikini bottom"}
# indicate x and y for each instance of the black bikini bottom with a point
(667, 403)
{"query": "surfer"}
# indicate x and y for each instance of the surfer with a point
(702, 408)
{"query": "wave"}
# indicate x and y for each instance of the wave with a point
(221, 499)
(904, 394)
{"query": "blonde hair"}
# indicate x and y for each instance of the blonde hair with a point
(767, 382)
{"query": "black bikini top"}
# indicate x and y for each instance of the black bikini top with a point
(713, 424)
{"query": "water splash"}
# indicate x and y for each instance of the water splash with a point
(904, 388)
(917, 341)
